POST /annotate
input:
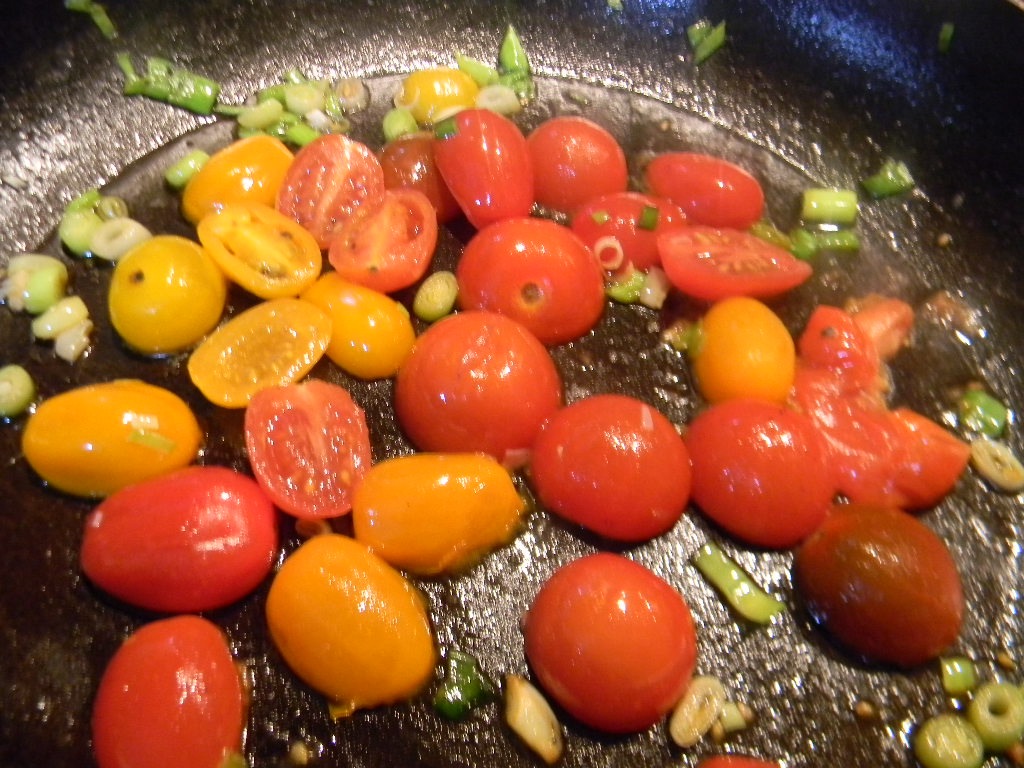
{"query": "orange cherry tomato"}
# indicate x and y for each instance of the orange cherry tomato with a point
(430, 513)
(249, 170)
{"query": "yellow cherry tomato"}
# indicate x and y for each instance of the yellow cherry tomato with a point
(350, 625)
(371, 333)
(273, 343)
(94, 440)
(248, 171)
(434, 94)
(261, 250)
(430, 513)
(165, 295)
(744, 351)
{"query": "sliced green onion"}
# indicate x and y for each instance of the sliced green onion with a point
(615, 5)
(803, 244)
(697, 711)
(178, 175)
(482, 74)
(958, 675)
(946, 36)
(997, 711)
(301, 98)
(893, 178)
(114, 238)
(626, 290)
(446, 128)
(271, 93)
(111, 207)
(85, 202)
(464, 687)
(398, 122)
(948, 741)
(522, 84)
(72, 342)
(710, 43)
(352, 94)
(294, 75)
(301, 134)
(683, 336)
(98, 14)
(996, 462)
(78, 5)
(840, 240)
(17, 391)
(829, 206)
(165, 82)
(436, 296)
(648, 218)
(768, 232)
(655, 288)
(600, 217)
(263, 115)
(499, 98)
(19, 290)
(739, 590)
(154, 440)
(66, 313)
(697, 31)
(76, 230)
(45, 287)
(980, 412)
(512, 55)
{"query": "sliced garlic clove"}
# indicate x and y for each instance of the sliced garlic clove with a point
(697, 711)
(531, 718)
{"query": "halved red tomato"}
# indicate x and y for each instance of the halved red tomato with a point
(711, 190)
(389, 247)
(329, 179)
(408, 162)
(308, 446)
(711, 264)
(833, 340)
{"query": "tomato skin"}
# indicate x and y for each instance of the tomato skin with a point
(574, 160)
(349, 624)
(432, 513)
(887, 323)
(328, 181)
(536, 272)
(308, 446)
(248, 170)
(624, 209)
(745, 351)
(931, 462)
(712, 264)
(759, 471)
(408, 162)
(614, 465)
(476, 381)
(261, 250)
(611, 642)
(834, 340)
(371, 334)
(96, 439)
(486, 165)
(196, 539)
(711, 191)
(735, 761)
(389, 247)
(882, 583)
(171, 695)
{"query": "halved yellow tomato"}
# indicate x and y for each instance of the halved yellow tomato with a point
(430, 513)
(350, 625)
(273, 343)
(371, 332)
(94, 440)
(249, 170)
(261, 250)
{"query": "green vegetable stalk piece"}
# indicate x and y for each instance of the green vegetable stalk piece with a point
(398, 122)
(948, 741)
(709, 43)
(946, 36)
(482, 74)
(980, 412)
(512, 56)
(300, 134)
(464, 687)
(97, 12)
(626, 290)
(739, 590)
(803, 244)
(17, 391)
(840, 240)
(768, 232)
(697, 31)
(893, 178)
(165, 82)
(997, 711)
(958, 675)
(830, 206)
(436, 296)
(648, 218)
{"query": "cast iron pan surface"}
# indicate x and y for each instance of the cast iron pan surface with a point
(805, 93)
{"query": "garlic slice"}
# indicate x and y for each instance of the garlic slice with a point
(530, 716)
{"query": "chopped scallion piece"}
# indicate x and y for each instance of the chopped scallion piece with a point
(948, 741)
(76, 229)
(17, 391)
(648, 218)
(111, 207)
(739, 590)
(302, 98)
(600, 217)
(946, 36)
(498, 98)
(803, 244)
(522, 84)
(165, 82)
(997, 712)
(697, 31)
(295, 76)
(446, 128)
(892, 178)
(626, 290)
(398, 122)
(275, 92)
(768, 232)
(982, 413)
(840, 240)
(85, 201)
(263, 115)
(178, 175)
(98, 14)
(711, 42)
(45, 287)
(481, 73)
(512, 55)
(464, 687)
(78, 5)
(615, 5)
(436, 296)
(958, 675)
(830, 206)
(684, 336)
(301, 134)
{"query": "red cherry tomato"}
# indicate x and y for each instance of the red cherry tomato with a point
(882, 583)
(389, 247)
(329, 179)
(834, 340)
(713, 264)
(477, 381)
(486, 165)
(408, 163)
(574, 160)
(760, 471)
(614, 465)
(534, 271)
(308, 446)
(735, 761)
(620, 216)
(931, 462)
(710, 190)
(611, 642)
(171, 695)
(193, 540)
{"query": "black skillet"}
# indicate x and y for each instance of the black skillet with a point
(804, 93)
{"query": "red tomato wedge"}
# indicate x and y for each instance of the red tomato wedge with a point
(712, 264)
(309, 446)
(389, 247)
(486, 164)
(329, 179)
(710, 190)
(171, 695)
